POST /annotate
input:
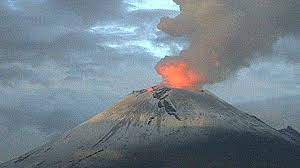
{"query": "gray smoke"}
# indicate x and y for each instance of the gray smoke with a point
(227, 35)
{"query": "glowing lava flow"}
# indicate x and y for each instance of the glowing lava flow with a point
(179, 76)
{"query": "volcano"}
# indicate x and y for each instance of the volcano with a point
(164, 127)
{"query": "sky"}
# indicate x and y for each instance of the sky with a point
(62, 62)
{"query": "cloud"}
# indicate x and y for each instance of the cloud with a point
(56, 72)
(89, 12)
(263, 79)
(139, 32)
(148, 5)
(226, 35)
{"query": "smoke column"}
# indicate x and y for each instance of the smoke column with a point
(225, 35)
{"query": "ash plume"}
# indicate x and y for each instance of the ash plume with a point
(225, 35)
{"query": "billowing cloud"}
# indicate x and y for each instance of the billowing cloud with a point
(226, 35)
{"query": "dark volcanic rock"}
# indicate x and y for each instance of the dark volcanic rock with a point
(292, 133)
(168, 128)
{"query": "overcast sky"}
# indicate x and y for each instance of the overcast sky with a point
(64, 61)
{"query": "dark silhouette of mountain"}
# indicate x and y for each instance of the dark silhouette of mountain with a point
(167, 128)
(276, 112)
(292, 133)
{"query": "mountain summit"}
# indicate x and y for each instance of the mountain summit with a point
(164, 127)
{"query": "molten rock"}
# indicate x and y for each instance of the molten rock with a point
(163, 127)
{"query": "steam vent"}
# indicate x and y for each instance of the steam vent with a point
(163, 127)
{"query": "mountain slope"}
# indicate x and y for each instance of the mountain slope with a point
(167, 128)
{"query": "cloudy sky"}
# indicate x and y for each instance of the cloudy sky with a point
(64, 61)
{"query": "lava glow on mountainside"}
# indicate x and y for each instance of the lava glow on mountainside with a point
(179, 75)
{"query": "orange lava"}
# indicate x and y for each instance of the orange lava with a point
(179, 76)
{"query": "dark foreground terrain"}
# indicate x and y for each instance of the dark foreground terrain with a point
(168, 128)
